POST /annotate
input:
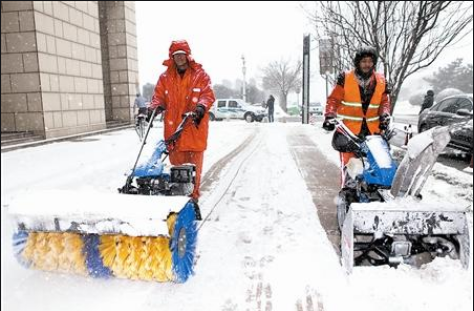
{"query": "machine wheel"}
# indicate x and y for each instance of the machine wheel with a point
(249, 117)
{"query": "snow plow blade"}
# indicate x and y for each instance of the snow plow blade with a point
(403, 231)
(417, 165)
(105, 235)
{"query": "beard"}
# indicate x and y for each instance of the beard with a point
(364, 75)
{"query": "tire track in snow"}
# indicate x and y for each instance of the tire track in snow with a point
(222, 166)
(213, 173)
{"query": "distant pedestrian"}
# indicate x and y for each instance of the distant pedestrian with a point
(141, 104)
(271, 108)
(428, 101)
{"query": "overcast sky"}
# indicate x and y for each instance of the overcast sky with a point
(219, 33)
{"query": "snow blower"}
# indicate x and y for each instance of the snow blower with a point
(147, 232)
(384, 220)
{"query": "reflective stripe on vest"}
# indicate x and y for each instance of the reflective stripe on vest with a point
(350, 118)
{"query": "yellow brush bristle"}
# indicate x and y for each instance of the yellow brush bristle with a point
(28, 252)
(55, 252)
(73, 253)
(143, 258)
(107, 249)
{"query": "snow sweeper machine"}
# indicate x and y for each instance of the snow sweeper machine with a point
(147, 231)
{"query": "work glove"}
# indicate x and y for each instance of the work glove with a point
(158, 109)
(328, 124)
(384, 122)
(199, 113)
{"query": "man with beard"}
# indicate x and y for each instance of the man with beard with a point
(361, 101)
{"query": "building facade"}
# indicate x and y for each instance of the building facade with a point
(68, 67)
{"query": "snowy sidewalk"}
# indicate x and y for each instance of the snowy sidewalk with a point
(268, 250)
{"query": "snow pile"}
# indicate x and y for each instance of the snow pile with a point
(279, 113)
(95, 212)
(443, 285)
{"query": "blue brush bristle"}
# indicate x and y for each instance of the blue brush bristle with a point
(94, 262)
(183, 267)
(19, 243)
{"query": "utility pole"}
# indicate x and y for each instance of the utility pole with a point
(244, 84)
(306, 82)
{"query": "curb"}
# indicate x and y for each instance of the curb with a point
(60, 139)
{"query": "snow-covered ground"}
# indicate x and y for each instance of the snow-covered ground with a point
(262, 247)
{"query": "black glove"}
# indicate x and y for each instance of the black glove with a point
(384, 122)
(158, 110)
(199, 113)
(328, 124)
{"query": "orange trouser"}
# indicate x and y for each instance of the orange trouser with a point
(345, 158)
(193, 157)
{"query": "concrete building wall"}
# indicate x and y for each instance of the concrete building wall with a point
(21, 105)
(70, 65)
(54, 68)
(119, 51)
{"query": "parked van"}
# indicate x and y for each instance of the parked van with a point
(236, 109)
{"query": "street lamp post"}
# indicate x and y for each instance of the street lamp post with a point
(306, 79)
(244, 84)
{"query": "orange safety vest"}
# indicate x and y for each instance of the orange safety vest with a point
(350, 110)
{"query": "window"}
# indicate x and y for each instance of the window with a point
(233, 104)
(452, 107)
(444, 105)
(464, 104)
(221, 104)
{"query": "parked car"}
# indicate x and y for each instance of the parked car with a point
(236, 109)
(315, 109)
(455, 111)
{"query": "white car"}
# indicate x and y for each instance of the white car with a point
(236, 109)
(315, 109)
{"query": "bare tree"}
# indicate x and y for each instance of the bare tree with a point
(222, 91)
(282, 77)
(455, 75)
(408, 35)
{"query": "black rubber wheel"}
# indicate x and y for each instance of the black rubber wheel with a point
(249, 117)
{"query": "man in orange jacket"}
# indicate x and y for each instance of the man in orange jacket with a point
(361, 100)
(185, 87)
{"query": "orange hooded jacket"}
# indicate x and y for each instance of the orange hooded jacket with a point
(178, 95)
